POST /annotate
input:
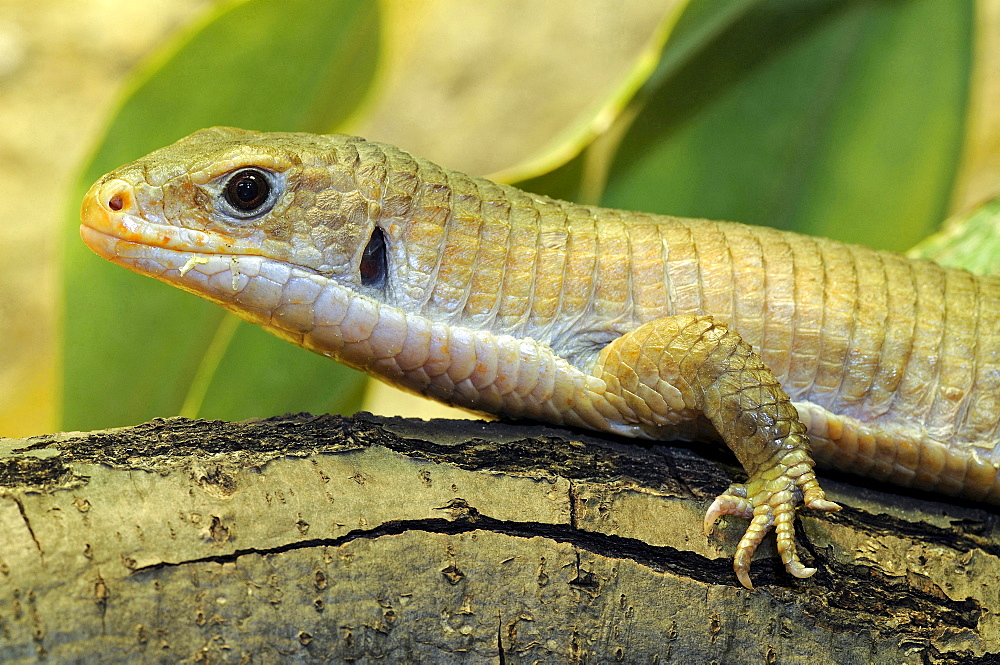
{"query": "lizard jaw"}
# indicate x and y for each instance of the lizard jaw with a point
(109, 211)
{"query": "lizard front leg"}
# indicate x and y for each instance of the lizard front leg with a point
(678, 367)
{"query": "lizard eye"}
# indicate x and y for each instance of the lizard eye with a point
(373, 266)
(247, 191)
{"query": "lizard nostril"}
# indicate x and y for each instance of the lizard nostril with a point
(115, 196)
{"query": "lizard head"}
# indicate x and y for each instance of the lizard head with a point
(304, 200)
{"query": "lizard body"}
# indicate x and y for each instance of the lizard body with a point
(477, 294)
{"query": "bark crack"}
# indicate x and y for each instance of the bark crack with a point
(27, 524)
(503, 659)
(833, 579)
(661, 558)
(572, 503)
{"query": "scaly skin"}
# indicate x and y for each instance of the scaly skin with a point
(493, 299)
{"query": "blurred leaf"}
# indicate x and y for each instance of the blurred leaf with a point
(979, 174)
(133, 346)
(840, 119)
(583, 178)
(511, 88)
(970, 241)
(700, 24)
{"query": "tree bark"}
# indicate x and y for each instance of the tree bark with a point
(315, 539)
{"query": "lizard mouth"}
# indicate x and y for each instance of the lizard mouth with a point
(112, 227)
(208, 264)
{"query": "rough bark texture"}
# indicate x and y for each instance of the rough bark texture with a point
(321, 539)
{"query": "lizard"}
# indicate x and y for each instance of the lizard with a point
(791, 349)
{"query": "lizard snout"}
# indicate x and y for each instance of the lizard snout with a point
(105, 203)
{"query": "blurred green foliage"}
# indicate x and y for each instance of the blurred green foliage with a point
(966, 241)
(832, 117)
(136, 349)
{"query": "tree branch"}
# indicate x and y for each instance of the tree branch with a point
(329, 539)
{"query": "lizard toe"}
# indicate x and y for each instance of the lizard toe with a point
(772, 505)
(760, 524)
(731, 502)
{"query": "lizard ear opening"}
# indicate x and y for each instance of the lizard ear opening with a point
(373, 264)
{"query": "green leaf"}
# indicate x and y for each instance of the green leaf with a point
(840, 119)
(583, 178)
(970, 241)
(134, 348)
(700, 24)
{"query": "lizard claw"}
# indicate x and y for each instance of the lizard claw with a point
(767, 504)
(731, 502)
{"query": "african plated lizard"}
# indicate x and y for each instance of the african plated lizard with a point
(790, 348)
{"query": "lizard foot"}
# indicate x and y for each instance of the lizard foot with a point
(769, 503)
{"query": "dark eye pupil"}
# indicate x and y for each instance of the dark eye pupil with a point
(247, 190)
